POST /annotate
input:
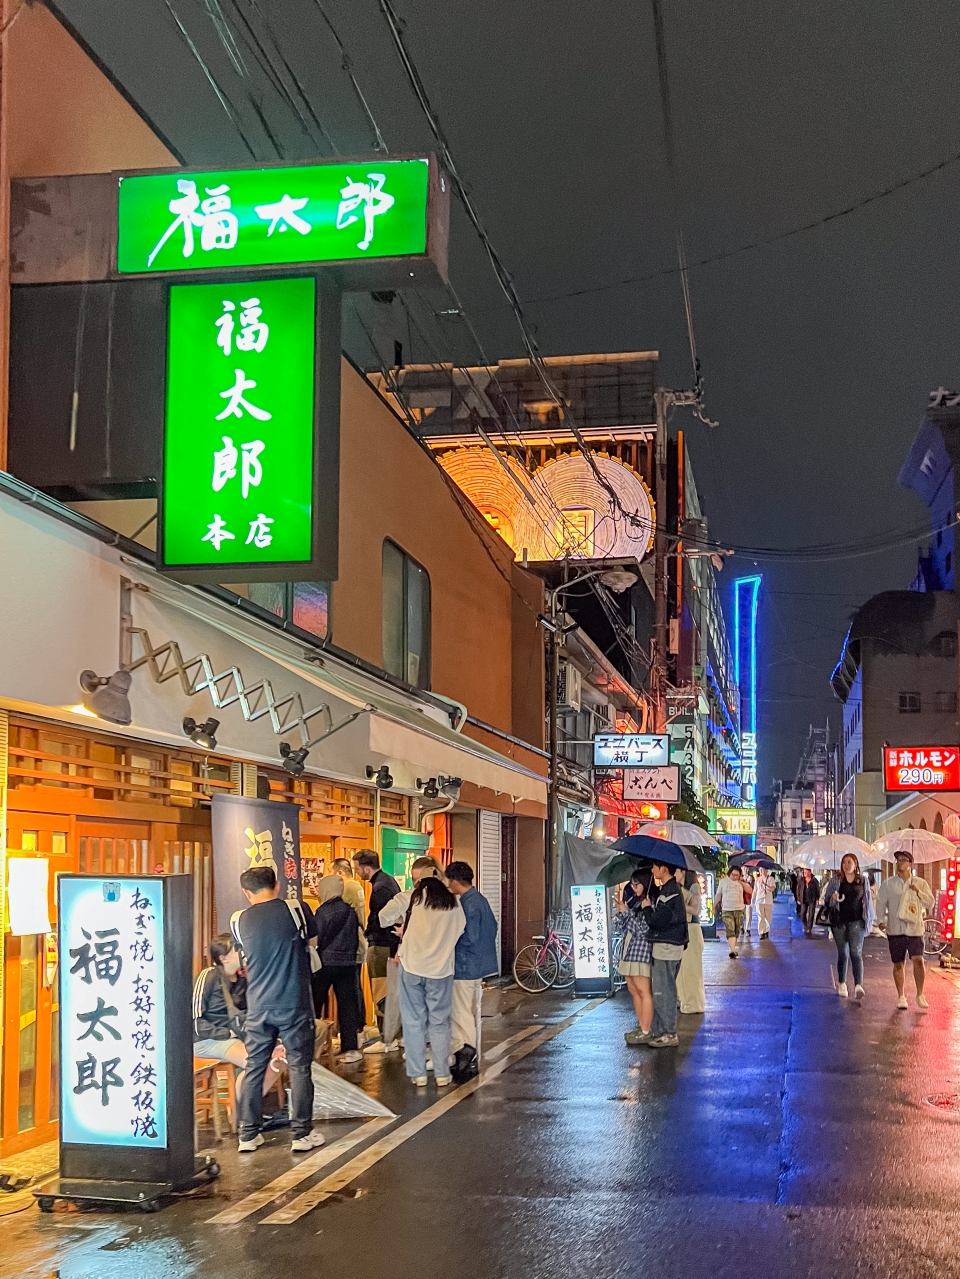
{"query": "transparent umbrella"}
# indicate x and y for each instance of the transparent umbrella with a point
(925, 845)
(826, 852)
(680, 833)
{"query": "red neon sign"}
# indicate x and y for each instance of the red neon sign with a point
(934, 768)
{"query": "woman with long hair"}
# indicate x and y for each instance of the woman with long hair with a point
(432, 928)
(636, 961)
(849, 907)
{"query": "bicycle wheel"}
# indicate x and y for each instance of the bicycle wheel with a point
(565, 973)
(535, 969)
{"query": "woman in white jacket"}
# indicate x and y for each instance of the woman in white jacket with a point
(433, 926)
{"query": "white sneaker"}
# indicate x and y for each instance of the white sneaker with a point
(858, 992)
(922, 1001)
(420, 1081)
(351, 1056)
(375, 1049)
(444, 1080)
(312, 1141)
(248, 1147)
(842, 990)
(902, 1002)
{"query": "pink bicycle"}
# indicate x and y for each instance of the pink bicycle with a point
(547, 963)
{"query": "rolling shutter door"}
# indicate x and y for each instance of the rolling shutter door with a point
(489, 865)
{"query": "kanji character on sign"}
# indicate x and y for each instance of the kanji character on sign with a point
(236, 402)
(218, 533)
(371, 197)
(106, 963)
(96, 1021)
(285, 211)
(260, 534)
(87, 1076)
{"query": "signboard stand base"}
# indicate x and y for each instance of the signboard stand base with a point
(148, 1196)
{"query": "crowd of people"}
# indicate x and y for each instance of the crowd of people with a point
(662, 951)
(269, 980)
(427, 949)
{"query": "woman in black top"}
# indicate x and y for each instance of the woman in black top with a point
(337, 940)
(848, 904)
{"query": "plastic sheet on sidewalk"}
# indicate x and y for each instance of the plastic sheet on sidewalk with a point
(335, 1098)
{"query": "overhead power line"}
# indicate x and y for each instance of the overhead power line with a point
(814, 224)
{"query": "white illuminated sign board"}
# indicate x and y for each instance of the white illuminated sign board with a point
(591, 937)
(658, 784)
(630, 750)
(112, 1019)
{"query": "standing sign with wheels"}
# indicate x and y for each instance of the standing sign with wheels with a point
(593, 971)
(126, 1042)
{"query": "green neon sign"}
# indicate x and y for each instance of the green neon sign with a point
(185, 221)
(238, 463)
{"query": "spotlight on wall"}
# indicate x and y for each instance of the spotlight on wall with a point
(381, 775)
(202, 735)
(450, 787)
(429, 787)
(293, 760)
(106, 695)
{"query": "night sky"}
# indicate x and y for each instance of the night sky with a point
(817, 351)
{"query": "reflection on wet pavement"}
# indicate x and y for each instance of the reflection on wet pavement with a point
(791, 1134)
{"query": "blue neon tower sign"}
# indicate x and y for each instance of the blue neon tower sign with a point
(746, 598)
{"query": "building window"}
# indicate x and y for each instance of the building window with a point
(305, 604)
(909, 703)
(946, 703)
(406, 617)
(945, 645)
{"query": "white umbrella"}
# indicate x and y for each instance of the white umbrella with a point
(680, 833)
(826, 852)
(925, 845)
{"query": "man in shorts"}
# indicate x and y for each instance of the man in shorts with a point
(905, 935)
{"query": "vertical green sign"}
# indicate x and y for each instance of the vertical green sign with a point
(238, 463)
(185, 221)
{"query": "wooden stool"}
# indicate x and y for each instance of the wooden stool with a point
(215, 1085)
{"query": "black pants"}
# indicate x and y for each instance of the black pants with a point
(261, 1031)
(343, 979)
(809, 915)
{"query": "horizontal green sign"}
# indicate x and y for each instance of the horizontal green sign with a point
(174, 221)
(238, 461)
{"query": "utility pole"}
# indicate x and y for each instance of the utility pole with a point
(553, 800)
(663, 400)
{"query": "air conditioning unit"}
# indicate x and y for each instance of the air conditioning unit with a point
(568, 688)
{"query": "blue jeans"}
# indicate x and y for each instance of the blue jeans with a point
(664, 983)
(425, 1005)
(849, 935)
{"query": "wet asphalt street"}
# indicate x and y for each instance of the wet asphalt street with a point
(789, 1135)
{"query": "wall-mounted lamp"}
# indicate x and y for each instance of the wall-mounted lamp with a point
(106, 695)
(429, 787)
(293, 760)
(202, 735)
(382, 776)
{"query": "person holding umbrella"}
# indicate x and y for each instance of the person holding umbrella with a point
(667, 917)
(901, 902)
(636, 961)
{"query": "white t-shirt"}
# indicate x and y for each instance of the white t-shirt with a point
(729, 895)
(429, 943)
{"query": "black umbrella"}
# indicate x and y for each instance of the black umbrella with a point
(754, 860)
(655, 850)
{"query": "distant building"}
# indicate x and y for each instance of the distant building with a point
(897, 674)
(517, 455)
